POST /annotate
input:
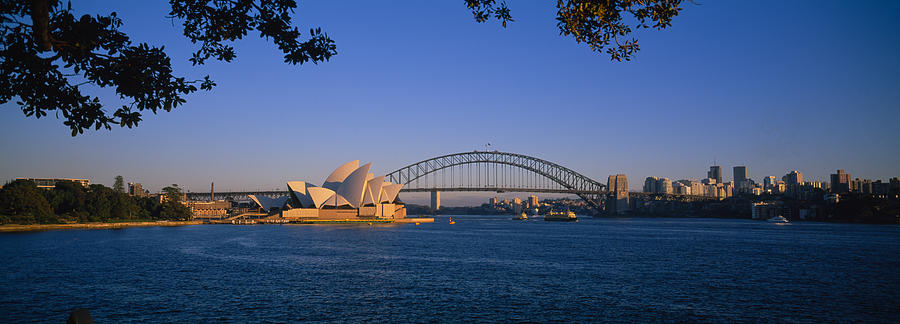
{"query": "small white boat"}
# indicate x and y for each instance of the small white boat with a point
(521, 216)
(778, 219)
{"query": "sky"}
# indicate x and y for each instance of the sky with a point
(777, 86)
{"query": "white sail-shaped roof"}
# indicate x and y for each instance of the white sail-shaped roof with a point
(268, 203)
(354, 185)
(367, 198)
(336, 200)
(335, 179)
(373, 188)
(299, 191)
(390, 191)
(320, 195)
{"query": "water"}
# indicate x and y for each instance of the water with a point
(483, 268)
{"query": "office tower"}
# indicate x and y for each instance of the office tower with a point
(769, 183)
(741, 181)
(840, 182)
(794, 178)
(715, 172)
(740, 174)
(533, 201)
(650, 184)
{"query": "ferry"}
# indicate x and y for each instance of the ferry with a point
(778, 219)
(567, 216)
(521, 216)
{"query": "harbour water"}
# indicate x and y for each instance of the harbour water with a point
(482, 268)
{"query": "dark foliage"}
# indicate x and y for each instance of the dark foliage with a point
(47, 54)
(599, 23)
(23, 203)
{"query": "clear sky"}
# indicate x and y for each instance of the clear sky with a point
(774, 85)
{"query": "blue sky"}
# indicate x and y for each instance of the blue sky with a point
(774, 85)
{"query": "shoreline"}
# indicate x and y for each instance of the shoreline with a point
(14, 228)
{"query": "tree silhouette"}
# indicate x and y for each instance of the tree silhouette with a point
(119, 185)
(47, 53)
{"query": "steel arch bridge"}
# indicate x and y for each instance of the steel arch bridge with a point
(496, 171)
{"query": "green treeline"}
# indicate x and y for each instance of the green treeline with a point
(22, 202)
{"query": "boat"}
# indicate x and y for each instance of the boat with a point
(567, 216)
(451, 221)
(778, 219)
(521, 216)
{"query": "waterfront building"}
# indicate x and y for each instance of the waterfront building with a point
(665, 186)
(50, 183)
(715, 172)
(650, 184)
(764, 210)
(840, 182)
(694, 187)
(209, 209)
(618, 185)
(658, 185)
(348, 193)
(680, 188)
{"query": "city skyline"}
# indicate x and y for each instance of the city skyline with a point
(718, 86)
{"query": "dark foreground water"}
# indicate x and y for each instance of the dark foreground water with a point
(480, 269)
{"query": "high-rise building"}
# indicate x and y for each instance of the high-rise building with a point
(740, 173)
(769, 183)
(715, 172)
(136, 190)
(665, 186)
(650, 184)
(793, 178)
(618, 185)
(533, 201)
(865, 186)
(435, 200)
(840, 182)
(741, 182)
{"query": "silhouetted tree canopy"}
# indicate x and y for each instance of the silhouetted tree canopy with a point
(599, 23)
(47, 53)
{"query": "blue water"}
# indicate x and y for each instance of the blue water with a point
(483, 268)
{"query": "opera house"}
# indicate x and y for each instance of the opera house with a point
(351, 192)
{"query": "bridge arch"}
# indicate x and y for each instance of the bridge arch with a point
(573, 182)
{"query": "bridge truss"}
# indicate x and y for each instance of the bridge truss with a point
(496, 171)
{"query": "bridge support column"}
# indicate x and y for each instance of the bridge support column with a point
(435, 200)
(618, 188)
